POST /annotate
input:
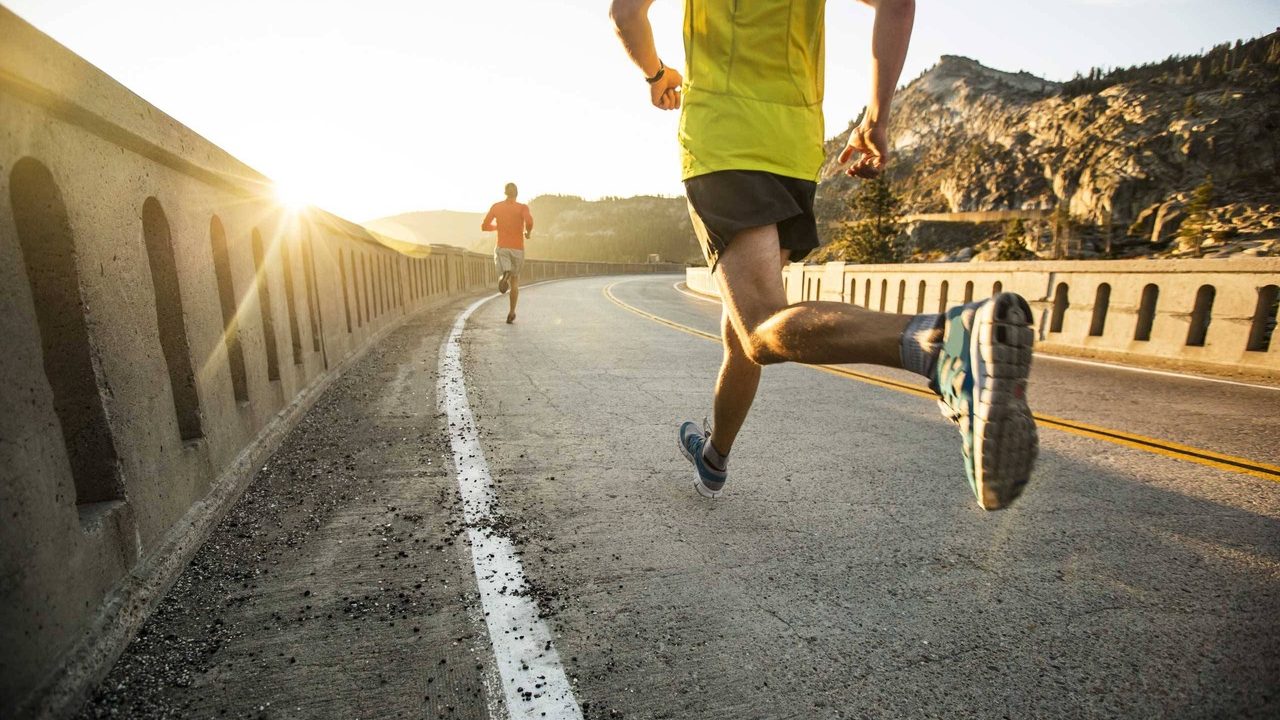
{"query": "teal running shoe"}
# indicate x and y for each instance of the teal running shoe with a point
(981, 377)
(708, 481)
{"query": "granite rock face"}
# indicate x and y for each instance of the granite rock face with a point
(1122, 152)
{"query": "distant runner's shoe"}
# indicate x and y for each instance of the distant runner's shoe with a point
(708, 481)
(511, 317)
(504, 284)
(982, 380)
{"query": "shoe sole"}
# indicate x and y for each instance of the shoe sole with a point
(703, 490)
(1005, 439)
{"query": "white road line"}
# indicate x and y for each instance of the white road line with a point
(1060, 358)
(1149, 371)
(694, 295)
(534, 683)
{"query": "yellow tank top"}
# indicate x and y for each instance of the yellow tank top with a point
(753, 87)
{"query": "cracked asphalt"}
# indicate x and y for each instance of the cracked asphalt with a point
(846, 573)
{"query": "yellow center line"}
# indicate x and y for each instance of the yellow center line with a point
(1165, 448)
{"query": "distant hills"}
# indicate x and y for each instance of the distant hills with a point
(567, 227)
(430, 227)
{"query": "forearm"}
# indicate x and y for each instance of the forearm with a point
(890, 38)
(631, 20)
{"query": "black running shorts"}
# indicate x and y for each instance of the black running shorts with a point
(723, 204)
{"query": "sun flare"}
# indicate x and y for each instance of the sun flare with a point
(291, 198)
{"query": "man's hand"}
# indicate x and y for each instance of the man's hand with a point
(872, 141)
(665, 94)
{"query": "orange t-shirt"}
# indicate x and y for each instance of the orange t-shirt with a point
(513, 220)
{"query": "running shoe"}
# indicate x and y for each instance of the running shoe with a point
(982, 380)
(504, 284)
(708, 481)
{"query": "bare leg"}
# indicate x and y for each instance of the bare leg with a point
(735, 388)
(515, 295)
(807, 332)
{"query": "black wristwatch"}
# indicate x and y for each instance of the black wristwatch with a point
(662, 69)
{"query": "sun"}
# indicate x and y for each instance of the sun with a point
(290, 198)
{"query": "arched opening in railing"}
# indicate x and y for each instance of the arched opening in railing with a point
(817, 288)
(997, 287)
(48, 251)
(313, 299)
(290, 303)
(968, 292)
(942, 296)
(169, 319)
(230, 306)
(1146, 312)
(884, 292)
(1201, 316)
(1061, 302)
(346, 296)
(902, 294)
(264, 306)
(1101, 302)
(920, 298)
(866, 294)
(368, 292)
(1264, 319)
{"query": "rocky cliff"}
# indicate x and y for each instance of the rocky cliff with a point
(1121, 151)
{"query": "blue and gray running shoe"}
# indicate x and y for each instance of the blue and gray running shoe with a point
(708, 481)
(981, 377)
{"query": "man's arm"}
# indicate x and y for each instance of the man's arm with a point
(631, 20)
(889, 40)
(487, 225)
(528, 223)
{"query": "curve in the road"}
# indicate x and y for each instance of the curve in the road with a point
(1166, 448)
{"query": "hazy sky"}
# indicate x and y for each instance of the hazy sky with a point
(378, 107)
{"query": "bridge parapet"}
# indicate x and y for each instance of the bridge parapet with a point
(1211, 315)
(165, 324)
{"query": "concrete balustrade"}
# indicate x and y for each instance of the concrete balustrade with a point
(165, 322)
(1210, 315)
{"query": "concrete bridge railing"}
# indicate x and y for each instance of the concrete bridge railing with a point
(1214, 315)
(165, 323)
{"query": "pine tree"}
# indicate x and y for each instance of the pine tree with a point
(1012, 246)
(1191, 232)
(1061, 230)
(872, 237)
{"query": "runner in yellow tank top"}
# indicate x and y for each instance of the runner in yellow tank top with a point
(751, 141)
(753, 87)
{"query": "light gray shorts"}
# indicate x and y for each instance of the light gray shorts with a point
(508, 260)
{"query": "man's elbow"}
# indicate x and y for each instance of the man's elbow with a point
(623, 12)
(898, 5)
(891, 5)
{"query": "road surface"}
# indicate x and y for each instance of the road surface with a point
(845, 573)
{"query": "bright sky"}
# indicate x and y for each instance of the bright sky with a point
(386, 106)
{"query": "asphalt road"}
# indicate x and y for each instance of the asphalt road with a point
(845, 573)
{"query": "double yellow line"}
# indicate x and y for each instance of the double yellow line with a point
(1166, 448)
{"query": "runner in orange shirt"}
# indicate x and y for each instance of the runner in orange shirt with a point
(514, 225)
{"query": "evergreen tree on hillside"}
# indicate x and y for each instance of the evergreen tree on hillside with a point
(1191, 232)
(1061, 230)
(872, 236)
(1012, 246)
